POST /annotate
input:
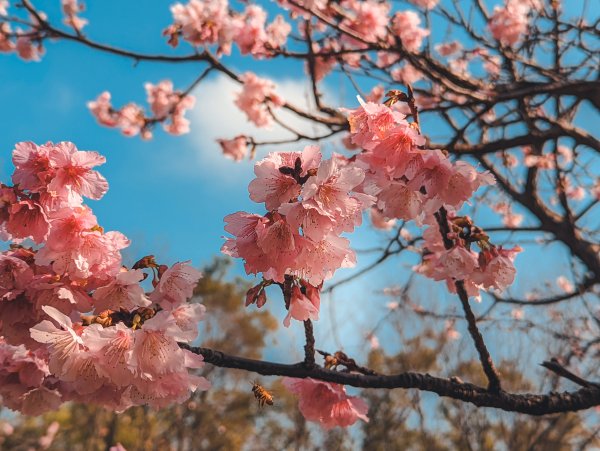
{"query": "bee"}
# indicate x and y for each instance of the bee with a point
(261, 394)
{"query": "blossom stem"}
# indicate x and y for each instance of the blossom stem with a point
(484, 356)
(309, 347)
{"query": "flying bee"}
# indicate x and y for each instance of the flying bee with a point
(261, 394)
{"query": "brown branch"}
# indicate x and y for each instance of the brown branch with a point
(309, 347)
(554, 366)
(532, 404)
(484, 356)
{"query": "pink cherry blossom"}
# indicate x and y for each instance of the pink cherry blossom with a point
(329, 189)
(303, 306)
(509, 23)
(28, 219)
(167, 103)
(275, 187)
(15, 276)
(398, 201)
(28, 50)
(74, 172)
(243, 227)
(123, 292)
(457, 263)
(113, 347)
(6, 44)
(463, 183)
(155, 350)
(448, 48)
(46, 440)
(236, 148)
(369, 19)
(40, 400)
(277, 32)
(71, 8)
(65, 345)
(405, 25)
(326, 403)
(161, 97)
(575, 192)
(33, 170)
(257, 95)
(103, 111)
(323, 65)
(319, 260)
(517, 313)
(250, 33)
(131, 119)
(566, 153)
(201, 22)
(187, 316)
(497, 268)
(176, 285)
(450, 331)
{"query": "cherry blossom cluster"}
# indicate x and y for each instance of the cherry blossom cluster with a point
(212, 22)
(490, 268)
(76, 324)
(409, 182)
(215, 24)
(509, 22)
(413, 183)
(310, 202)
(70, 9)
(297, 243)
(167, 106)
(257, 97)
(26, 43)
(327, 403)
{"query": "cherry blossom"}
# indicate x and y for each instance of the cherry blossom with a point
(303, 305)
(28, 50)
(257, 96)
(123, 292)
(77, 315)
(176, 285)
(274, 187)
(236, 148)
(71, 8)
(326, 403)
(406, 26)
(509, 23)
(200, 22)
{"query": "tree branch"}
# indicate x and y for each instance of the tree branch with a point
(532, 404)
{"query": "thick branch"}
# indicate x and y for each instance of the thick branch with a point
(532, 404)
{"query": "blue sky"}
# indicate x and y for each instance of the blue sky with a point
(169, 195)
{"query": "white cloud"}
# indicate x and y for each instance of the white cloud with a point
(216, 116)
